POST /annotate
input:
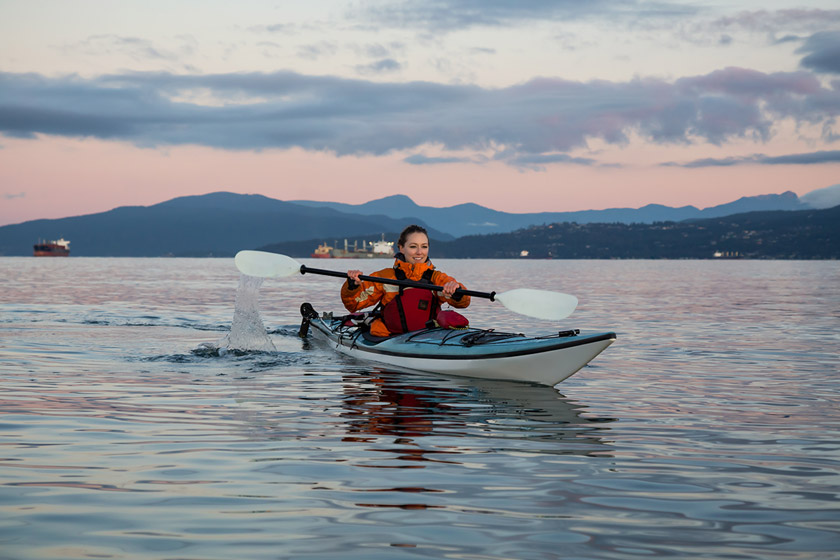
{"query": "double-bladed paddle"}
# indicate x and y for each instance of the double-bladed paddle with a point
(540, 304)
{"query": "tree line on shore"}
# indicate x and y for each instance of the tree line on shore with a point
(803, 234)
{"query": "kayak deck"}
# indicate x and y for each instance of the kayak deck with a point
(468, 352)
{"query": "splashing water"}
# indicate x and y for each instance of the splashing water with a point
(247, 331)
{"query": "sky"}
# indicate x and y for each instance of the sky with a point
(520, 106)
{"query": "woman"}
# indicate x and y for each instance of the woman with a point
(404, 309)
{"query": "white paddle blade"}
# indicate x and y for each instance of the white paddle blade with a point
(265, 265)
(540, 304)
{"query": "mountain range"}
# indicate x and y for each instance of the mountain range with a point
(215, 224)
(221, 223)
(472, 219)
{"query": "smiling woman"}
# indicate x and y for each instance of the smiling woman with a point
(403, 309)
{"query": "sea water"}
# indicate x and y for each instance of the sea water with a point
(710, 429)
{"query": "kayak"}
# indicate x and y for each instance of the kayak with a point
(468, 352)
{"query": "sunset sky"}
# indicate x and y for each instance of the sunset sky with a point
(521, 106)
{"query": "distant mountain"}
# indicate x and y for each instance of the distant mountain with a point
(783, 234)
(222, 223)
(216, 224)
(473, 219)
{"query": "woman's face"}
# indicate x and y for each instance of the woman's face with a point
(416, 248)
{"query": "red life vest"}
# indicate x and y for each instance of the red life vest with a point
(412, 308)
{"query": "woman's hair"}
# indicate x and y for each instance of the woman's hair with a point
(408, 231)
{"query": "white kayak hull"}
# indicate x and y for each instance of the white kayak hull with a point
(542, 360)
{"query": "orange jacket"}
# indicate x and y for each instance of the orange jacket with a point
(371, 293)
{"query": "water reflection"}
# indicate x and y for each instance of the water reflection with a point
(380, 402)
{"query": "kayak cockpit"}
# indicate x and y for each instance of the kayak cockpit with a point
(354, 327)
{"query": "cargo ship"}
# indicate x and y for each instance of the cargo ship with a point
(370, 250)
(57, 248)
(323, 251)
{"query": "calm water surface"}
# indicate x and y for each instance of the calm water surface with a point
(710, 429)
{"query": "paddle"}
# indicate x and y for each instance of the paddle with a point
(540, 304)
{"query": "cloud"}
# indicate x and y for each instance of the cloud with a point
(12, 196)
(827, 197)
(542, 118)
(386, 65)
(822, 52)
(829, 156)
(537, 162)
(802, 20)
(451, 15)
(314, 51)
(420, 159)
(279, 28)
(378, 50)
(133, 47)
(787, 39)
(811, 158)
(778, 26)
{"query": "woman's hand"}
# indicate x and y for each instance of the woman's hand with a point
(450, 287)
(353, 275)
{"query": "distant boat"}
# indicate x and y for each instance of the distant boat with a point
(323, 251)
(57, 248)
(370, 250)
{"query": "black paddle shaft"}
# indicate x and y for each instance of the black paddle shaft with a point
(405, 283)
